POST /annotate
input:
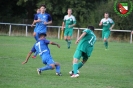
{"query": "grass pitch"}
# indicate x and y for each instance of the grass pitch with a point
(105, 69)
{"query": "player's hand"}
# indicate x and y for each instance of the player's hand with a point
(70, 26)
(110, 28)
(24, 62)
(62, 28)
(32, 25)
(45, 23)
(77, 41)
(58, 45)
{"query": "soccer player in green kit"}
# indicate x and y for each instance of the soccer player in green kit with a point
(69, 22)
(84, 49)
(107, 24)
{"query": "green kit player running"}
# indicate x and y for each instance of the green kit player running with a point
(84, 49)
(107, 24)
(69, 22)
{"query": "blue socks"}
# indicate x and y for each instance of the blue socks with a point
(57, 68)
(47, 67)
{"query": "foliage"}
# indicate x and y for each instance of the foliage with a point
(87, 12)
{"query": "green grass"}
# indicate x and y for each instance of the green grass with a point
(105, 69)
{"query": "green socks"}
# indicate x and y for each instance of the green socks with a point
(68, 43)
(106, 44)
(75, 68)
(80, 64)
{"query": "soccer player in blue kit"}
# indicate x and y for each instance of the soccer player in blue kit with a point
(43, 19)
(41, 47)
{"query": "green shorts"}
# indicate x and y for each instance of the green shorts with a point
(68, 32)
(78, 54)
(105, 34)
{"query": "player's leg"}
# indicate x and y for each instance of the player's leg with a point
(49, 64)
(106, 36)
(76, 58)
(34, 34)
(70, 33)
(57, 67)
(84, 59)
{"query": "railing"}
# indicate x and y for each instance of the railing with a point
(59, 29)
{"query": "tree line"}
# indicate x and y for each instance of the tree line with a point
(87, 12)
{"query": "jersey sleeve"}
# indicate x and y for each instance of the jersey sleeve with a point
(35, 17)
(46, 41)
(64, 19)
(74, 20)
(101, 20)
(33, 49)
(111, 21)
(49, 17)
(87, 31)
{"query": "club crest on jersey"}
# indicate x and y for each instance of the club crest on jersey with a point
(123, 8)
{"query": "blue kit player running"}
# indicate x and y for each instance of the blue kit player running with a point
(41, 47)
(44, 19)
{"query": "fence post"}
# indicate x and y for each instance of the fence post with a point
(59, 33)
(131, 37)
(10, 29)
(26, 31)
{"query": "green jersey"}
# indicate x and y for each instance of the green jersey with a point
(87, 41)
(69, 20)
(107, 23)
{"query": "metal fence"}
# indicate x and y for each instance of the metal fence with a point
(59, 29)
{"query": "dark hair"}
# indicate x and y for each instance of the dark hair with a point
(91, 28)
(42, 34)
(106, 13)
(42, 6)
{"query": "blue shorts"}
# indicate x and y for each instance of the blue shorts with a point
(47, 59)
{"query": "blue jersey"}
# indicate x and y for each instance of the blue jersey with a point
(42, 28)
(36, 18)
(41, 47)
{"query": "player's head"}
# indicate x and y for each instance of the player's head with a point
(69, 11)
(38, 10)
(42, 8)
(91, 28)
(42, 35)
(106, 15)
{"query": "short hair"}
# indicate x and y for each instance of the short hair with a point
(106, 13)
(70, 9)
(42, 6)
(42, 34)
(91, 28)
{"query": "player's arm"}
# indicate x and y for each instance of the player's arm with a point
(27, 58)
(29, 54)
(49, 20)
(47, 23)
(53, 43)
(63, 25)
(112, 26)
(81, 36)
(101, 23)
(72, 25)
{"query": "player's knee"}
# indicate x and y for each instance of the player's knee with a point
(53, 66)
(34, 34)
(56, 63)
(105, 40)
